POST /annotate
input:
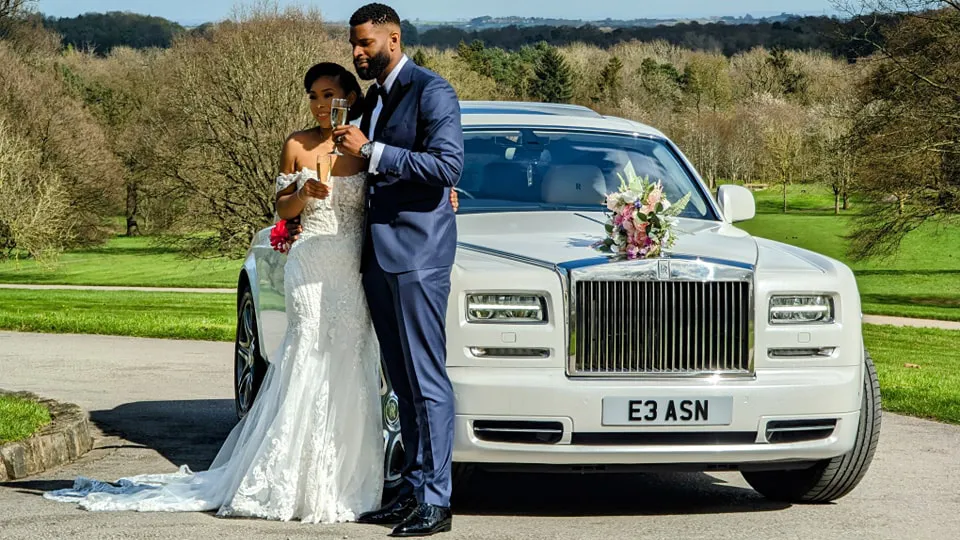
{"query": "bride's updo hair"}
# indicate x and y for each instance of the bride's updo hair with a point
(348, 82)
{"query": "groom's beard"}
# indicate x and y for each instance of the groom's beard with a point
(376, 65)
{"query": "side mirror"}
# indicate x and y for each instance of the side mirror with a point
(736, 203)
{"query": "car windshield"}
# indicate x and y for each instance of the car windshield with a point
(517, 170)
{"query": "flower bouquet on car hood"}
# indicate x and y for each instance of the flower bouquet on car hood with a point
(642, 221)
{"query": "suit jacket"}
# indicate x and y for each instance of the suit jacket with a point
(409, 222)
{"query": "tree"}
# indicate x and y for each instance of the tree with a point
(552, 78)
(907, 131)
(409, 32)
(225, 104)
(610, 81)
(12, 8)
(420, 58)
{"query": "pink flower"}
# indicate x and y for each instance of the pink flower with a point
(618, 220)
(633, 251)
(655, 195)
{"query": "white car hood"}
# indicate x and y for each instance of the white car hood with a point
(559, 237)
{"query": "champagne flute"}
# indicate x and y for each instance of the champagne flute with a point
(324, 169)
(338, 117)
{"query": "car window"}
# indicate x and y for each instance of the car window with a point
(533, 170)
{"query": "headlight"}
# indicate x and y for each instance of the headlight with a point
(801, 309)
(506, 308)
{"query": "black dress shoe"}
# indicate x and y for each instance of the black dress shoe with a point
(391, 514)
(427, 519)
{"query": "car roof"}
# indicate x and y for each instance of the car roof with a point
(546, 115)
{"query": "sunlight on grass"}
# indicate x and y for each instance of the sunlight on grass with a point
(922, 280)
(929, 390)
(20, 418)
(135, 262)
(149, 314)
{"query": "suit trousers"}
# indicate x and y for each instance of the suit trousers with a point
(408, 311)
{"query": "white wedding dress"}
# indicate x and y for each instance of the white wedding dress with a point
(311, 447)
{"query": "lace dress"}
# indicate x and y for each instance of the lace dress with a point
(311, 447)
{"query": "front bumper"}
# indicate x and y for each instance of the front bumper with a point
(548, 395)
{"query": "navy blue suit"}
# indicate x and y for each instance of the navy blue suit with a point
(409, 247)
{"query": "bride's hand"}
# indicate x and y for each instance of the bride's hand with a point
(314, 188)
(454, 200)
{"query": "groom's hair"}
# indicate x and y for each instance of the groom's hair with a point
(375, 13)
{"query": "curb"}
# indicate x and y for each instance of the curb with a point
(64, 439)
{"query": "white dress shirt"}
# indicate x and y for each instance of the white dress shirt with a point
(375, 115)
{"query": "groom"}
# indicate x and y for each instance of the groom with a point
(411, 136)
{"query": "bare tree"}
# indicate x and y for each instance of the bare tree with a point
(908, 130)
(228, 100)
(12, 8)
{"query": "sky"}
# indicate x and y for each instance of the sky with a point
(195, 12)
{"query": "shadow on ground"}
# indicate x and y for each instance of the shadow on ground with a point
(184, 432)
(558, 495)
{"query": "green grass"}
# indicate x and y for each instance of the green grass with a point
(135, 262)
(121, 313)
(20, 418)
(930, 391)
(922, 280)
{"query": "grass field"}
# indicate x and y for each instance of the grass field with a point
(931, 390)
(922, 280)
(20, 418)
(148, 314)
(125, 262)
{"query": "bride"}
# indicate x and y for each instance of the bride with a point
(311, 447)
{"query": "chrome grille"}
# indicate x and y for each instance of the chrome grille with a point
(625, 328)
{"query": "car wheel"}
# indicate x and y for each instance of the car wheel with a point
(393, 454)
(832, 478)
(249, 366)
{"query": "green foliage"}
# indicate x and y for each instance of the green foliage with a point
(552, 81)
(792, 81)
(513, 71)
(610, 83)
(420, 59)
(104, 31)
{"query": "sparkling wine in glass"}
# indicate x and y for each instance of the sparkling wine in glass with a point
(338, 117)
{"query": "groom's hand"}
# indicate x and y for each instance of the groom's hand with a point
(349, 139)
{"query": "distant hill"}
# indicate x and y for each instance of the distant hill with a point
(488, 22)
(729, 35)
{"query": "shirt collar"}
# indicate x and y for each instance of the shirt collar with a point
(392, 76)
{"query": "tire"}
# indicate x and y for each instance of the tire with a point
(830, 479)
(462, 476)
(249, 367)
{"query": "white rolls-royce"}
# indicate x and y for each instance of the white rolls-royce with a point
(727, 352)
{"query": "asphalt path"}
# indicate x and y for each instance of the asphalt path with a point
(159, 403)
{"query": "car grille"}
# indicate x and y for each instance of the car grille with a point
(640, 328)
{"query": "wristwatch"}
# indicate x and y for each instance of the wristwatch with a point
(366, 150)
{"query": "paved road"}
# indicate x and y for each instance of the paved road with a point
(162, 403)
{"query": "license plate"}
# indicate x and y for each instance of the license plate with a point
(653, 411)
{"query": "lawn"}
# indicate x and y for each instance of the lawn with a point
(121, 313)
(922, 280)
(931, 390)
(20, 418)
(126, 262)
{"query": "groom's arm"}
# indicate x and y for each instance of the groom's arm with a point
(441, 161)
